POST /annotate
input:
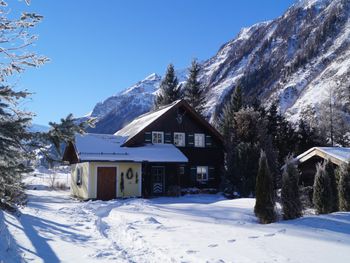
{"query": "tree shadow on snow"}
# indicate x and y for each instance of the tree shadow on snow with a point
(9, 249)
(336, 222)
(39, 231)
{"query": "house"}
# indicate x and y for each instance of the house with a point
(156, 153)
(307, 161)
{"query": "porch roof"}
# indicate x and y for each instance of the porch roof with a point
(105, 147)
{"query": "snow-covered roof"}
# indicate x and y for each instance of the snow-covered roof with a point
(143, 121)
(105, 147)
(337, 155)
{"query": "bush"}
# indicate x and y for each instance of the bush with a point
(322, 190)
(330, 169)
(174, 190)
(265, 204)
(344, 188)
(61, 186)
(290, 197)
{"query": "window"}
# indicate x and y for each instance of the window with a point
(199, 140)
(179, 138)
(157, 137)
(181, 170)
(79, 176)
(202, 173)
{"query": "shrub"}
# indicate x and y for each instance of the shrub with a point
(265, 204)
(290, 197)
(322, 190)
(344, 188)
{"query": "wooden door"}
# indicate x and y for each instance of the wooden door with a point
(106, 183)
(158, 180)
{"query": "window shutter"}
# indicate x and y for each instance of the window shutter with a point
(193, 174)
(211, 173)
(148, 137)
(208, 141)
(190, 140)
(167, 137)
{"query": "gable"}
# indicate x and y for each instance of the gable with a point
(179, 117)
(337, 155)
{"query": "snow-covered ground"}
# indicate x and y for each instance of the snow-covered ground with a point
(53, 227)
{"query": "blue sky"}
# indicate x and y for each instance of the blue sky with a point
(99, 47)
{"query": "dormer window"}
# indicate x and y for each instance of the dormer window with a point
(157, 137)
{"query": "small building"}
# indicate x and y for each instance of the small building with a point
(170, 148)
(308, 160)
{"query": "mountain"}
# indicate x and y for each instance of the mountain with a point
(294, 60)
(120, 109)
(297, 60)
(39, 128)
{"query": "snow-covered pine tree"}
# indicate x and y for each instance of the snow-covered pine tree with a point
(322, 190)
(16, 39)
(193, 92)
(344, 188)
(290, 197)
(168, 89)
(265, 203)
(330, 169)
(58, 136)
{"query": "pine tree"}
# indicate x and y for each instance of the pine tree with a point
(51, 143)
(237, 99)
(344, 188)
(290, 197)
(168, 89)
(329, 167)
(322, 190)
(15, 48)
(227, 117)
(265, 204)
(193, 92)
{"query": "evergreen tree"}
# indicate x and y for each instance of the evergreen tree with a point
(330, 169)
(265, 204)
(282, 134)
(237, 99)
(322, 190)
(226, 121)
(193, 92)
(15, 48)
(51, 143)
(306, 137)
(344, 188)
(168, 89)
(290, 197)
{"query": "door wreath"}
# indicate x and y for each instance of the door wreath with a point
(129, 174)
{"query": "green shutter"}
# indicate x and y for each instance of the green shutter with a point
(211, 173)
(208, 141)
(167, 137)
(193, 174)
(190, 140)
(148, 137)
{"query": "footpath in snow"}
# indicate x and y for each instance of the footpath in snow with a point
(53, 227)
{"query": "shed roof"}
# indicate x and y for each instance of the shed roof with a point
(105, 147)
(337, 155)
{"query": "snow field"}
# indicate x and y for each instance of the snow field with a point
(54, 227)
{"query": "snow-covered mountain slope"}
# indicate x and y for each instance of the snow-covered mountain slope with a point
(296, 60)
(39, 128)
(120, 109)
